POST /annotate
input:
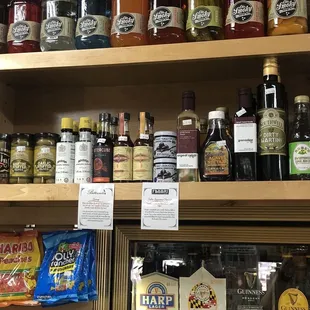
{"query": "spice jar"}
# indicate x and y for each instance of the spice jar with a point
(24, 26)
(45, 157)
(287, 17)
(21, 166)
(5, 148)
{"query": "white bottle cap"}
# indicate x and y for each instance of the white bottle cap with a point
(216, 114)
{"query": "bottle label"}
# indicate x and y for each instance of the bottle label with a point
(187, 160)
(93, 25)
(21, 162)
(4, 163)
(44, 161)
(216, 159)
(128, 22)
(65, 153)
(242, 12)
(24, 30)
(142, 163)
(245, 135)
(293, 298)
(122, 163)
(103, 162)
(83, 162)
(204, 16)
(166, 16)
(3, 33)
(271, 134)
(287, 9)
(299, 153)
(55, 27)
(165, 172)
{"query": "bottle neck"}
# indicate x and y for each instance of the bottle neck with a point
(66, 135)
(113, 130)
(216, 123)
(85, 135)
(302, 109)
(124, 128)
(104, 129)
(271, 78)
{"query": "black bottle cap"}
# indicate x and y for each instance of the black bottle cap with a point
(152, 120)
(114, 120)
(147, 115)
(104, 117)
(245, 97)
(188, 100)
(126, 116)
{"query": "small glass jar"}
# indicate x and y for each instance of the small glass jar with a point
(45, 157)
(24, 26)
(165, 170)
(5, 149)
(21, 165)
(287, 17)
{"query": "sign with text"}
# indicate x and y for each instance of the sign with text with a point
(160, 206)
(96, 203)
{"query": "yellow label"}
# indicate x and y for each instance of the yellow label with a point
(21, 161)
(44, 161)
(122, 163)
(293, 298)
(142, 163)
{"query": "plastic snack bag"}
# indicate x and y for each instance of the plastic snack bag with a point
(92, 275)
(83, 286)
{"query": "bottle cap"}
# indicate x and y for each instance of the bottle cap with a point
(75, 126)
(104, 117)
(66, 123)
(271, 66)
(165, 133)
(301, 98)
(147, 115)
(216, 114)
(114, 120)
(85, 122)
(245, 97)
(188, 100)
(126, 116)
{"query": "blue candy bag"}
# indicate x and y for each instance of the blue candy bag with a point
(62, 267)
(92, 274)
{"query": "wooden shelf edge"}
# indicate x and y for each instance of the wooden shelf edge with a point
(189, 192)
(264, 46)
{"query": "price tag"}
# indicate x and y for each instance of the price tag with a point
(95, 209)
(160, 206)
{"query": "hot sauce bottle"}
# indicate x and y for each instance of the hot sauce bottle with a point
(244, 19)
(166, 22)
(129, 22)
(24, 26)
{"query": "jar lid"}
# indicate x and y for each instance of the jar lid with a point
(216, 114)
(66, 123)
(85, 122)
(19, 135)
(165, 133)
(165, 161)
(301, 98)
(5, 136)
(47, 135)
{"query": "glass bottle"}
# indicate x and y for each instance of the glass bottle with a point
(75, 131)
(216, 161)
(122, 158)
(245, 138)
(227, 121)
(84, 153)
(24, 26)
(203, 130)
(205, 20)
(271, 106)
(299, 145)
(143, 152)
(166, 22)
(129, 22)
(113, 128)
(3, 28)
(188, 140)
(5, 149)
(58, 25)
(94, 24)
(103, 152)
(93, 132)
(287, 17)
(65, 152)
(151, 129)
(244, 19)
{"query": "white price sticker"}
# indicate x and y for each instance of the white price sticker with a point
(123, 138)
(144, 136)
(187, 122)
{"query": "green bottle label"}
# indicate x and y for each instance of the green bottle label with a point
(204, 16)
(299, 157)
(271, 136)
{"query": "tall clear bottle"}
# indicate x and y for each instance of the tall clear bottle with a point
(65, 152)
(58, 25)
(188, 140)
(84, 153)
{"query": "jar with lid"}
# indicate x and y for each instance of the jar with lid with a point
(21, 164)
(287, 17)
(24, 26)
(244, 19)
(58, 25)
(5, 148)
(3, 28)
(165, 170)
(205, 20)
(165, 144)
(45, 157)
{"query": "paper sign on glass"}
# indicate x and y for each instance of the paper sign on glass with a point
(160, 206)
(96, 202)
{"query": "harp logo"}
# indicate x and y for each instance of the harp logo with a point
(293, 299)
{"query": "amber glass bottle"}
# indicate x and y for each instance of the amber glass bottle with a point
(166, 22)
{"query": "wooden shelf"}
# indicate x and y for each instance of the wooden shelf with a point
(224, 201)
(155, 64)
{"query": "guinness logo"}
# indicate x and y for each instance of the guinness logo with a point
(250, 278)
(293, 298)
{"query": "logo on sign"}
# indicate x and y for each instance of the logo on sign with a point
(160, 191)
(156, 297)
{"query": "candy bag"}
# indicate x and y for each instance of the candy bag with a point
(92, 274)
(83, 286)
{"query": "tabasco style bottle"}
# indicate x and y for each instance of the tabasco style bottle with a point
(129, 22)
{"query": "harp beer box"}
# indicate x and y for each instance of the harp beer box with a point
(202, 291)
(157, 291)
